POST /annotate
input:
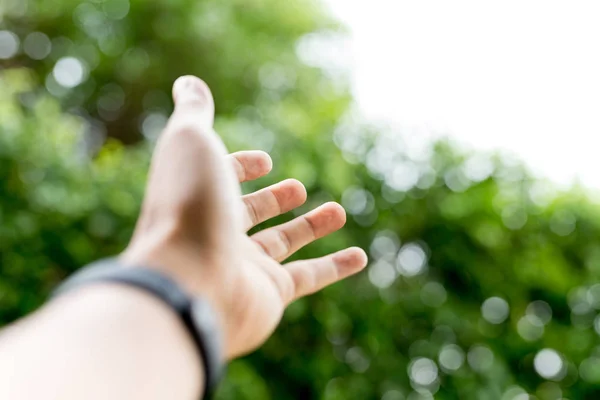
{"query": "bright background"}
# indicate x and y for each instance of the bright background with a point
(493, 75)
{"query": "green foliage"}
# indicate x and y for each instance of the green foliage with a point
(449, 234)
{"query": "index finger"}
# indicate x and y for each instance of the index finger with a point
(250, 165)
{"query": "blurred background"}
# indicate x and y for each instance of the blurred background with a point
(458, 136)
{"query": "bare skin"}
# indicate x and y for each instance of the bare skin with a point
(193, 227)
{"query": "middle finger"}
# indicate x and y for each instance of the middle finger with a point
(273, 201)
(282, 241)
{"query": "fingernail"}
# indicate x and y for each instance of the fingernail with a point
(189, 89)
(351, 258)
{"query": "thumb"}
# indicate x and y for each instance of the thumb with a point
(190, 170)
(193, 96)
(190, 180)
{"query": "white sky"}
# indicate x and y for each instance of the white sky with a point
(517, 75)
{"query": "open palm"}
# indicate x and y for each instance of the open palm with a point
(194, 226)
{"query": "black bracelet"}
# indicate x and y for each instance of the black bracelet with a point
(196, 314)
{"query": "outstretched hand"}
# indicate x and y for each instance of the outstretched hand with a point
(194, 222)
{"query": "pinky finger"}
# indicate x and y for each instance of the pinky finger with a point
(310, 276)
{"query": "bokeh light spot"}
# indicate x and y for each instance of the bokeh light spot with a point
(385, 244)
(382, 274)
(495, 310)
(423, 371)
(411, 260)
(480, 358)
(549, 364)
(579, 299)
(116, 9)
(37, 45)
(530, 328)
(110, 101)
(392, 395)
(597, 324)
(514, 217)
(358, 201)
(563, 223)
(515, 393)
(541, 310)
(451, 358)
(153, 124)
(478, 168)
(420, 394)
(357, 359)
(69, 72)
(589, 370)
(433, 294)
(542, 193)
(549, 390)
(403, 177)
(9, 44)
(456, 180)
(593, 296)
(275, 77)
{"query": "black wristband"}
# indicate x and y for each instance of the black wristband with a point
(196, 314)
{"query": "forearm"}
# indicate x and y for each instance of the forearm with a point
(100, 342)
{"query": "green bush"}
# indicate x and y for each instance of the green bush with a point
(454, 238)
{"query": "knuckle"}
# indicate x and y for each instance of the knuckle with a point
(312, 227)
(184, 125)
(262, 247)
(189, 118)
(287, 288)
(252, 213)
(240, 169)
(304, 281)
(285, 240)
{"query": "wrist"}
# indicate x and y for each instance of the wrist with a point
(198, 274)
(195, 314)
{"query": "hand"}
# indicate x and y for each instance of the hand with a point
(194, 221)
